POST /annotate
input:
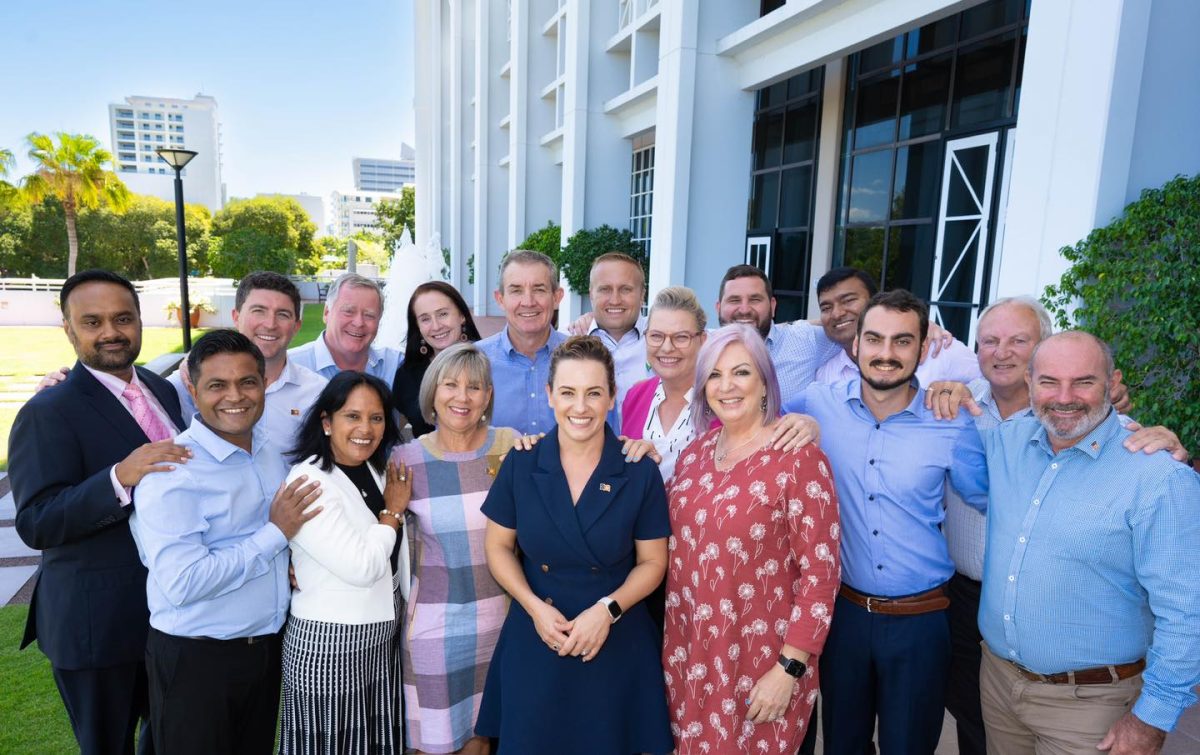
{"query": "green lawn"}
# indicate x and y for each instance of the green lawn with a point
(32, 718)
(311, 324)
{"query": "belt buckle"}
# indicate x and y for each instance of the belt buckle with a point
(869, 599)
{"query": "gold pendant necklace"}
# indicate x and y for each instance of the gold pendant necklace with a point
(722, 456)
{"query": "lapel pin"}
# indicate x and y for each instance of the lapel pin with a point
(295, 412)
(1095, 445)
(605, 487)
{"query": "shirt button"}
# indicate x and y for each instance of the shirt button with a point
(1007, 617)
(879, 567)
(1036, 501)
(1012, 653)
(1020, 539)
(872, 461)
(870, 498)
(875, 532)
(1011, 578)
(533, 395)
(545, 567)
(1054, 465)
(876, 425)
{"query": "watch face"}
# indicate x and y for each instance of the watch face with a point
(614, 610)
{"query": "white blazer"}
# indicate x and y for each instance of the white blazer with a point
(342, 556)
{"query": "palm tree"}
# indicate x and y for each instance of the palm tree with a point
(8, 192)
(73, 172)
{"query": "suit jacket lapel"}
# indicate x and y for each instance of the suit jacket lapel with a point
(107, 406)
(551, 483)
(168, 399)
(605, 485)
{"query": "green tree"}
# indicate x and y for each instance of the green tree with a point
(547, 240)
(141, 242)
(72, 171)
(394, 215)
(1134, 284)
(264, 233)
(8, 192)
(586, 245)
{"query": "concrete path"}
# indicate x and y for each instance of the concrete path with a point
(18, 562)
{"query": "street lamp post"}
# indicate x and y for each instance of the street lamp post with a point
(177, 159)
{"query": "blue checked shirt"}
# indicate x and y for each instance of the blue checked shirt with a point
(1091, 560)
(520, 383)
(382, 362)
(890, 476)
(218, 566)
(797, 349)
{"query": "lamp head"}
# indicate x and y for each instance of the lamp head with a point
(176, 158)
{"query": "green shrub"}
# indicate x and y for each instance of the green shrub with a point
(1135, 283)
(546, 240)
(586, 245)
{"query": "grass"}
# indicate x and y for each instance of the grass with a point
(32, 718)
(311, 324)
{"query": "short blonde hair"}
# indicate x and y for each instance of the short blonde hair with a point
(456, 359)
(680, 299)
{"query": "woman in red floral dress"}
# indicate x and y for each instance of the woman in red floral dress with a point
(753, 567)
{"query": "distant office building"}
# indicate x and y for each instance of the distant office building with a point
(355, 211)
(140, 125)
(314, 206)
(372, 174)
(951, 147)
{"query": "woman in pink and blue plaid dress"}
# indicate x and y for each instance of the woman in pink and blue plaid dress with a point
(455, 609)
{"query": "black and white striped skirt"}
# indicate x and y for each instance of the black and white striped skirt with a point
(341, 689)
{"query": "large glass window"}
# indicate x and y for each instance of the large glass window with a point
(641, 193)
(905, 98)
(786, 126)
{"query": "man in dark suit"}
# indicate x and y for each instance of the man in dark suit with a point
(75, 452)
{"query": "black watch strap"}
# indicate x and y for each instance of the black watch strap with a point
(792, 667)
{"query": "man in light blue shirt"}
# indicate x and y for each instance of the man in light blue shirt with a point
(352, 311)
(267, 311)
(1088, 572)
(520, 352)
(888, 649)
(214, 536)
(617, 289)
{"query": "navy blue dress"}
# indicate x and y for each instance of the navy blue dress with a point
(534, 701)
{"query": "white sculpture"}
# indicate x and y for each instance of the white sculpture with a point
(410, 268)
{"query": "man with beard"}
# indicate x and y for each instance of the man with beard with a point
(888, 649)
(1092, 638)
(75, 453)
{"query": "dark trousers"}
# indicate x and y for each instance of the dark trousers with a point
(210, 696)
(962, 698)
(893, 667)
(104, 706)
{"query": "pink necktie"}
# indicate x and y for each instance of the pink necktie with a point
(146, 418)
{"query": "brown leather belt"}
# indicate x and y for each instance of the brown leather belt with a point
(1098, 675)
(912, 605)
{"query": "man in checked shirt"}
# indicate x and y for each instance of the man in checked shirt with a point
(1089, 611)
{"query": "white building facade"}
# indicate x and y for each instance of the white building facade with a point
(140, 125)
(354, 211)
(951, 147)
(312, 204)
(379, 174)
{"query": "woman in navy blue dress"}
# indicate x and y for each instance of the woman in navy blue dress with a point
(577, 668)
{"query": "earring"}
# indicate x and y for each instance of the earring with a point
(327, 433)
(763, 405)
(424, 347)
(483, 420)
(463, 335)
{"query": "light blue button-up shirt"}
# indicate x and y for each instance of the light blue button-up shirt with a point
(890, 476)
(287, 401)
(797, 349)
(382, 362)
(1091, 560)
(218, 567)
(629, 357)
(520, 383)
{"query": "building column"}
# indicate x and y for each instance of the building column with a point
(427, 37)
(575, 128)
(483, 67)
(825, 194)
(1074, 135)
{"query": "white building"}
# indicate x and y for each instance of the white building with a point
(354, 211)
(313, 205)
(949, 146)
(379, 174)
(141, 125)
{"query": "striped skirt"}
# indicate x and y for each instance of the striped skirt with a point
(341, 689)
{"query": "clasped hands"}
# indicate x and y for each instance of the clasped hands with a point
(582, 637)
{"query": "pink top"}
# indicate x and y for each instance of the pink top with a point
(636, 407)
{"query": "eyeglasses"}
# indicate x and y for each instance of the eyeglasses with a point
(680, 340)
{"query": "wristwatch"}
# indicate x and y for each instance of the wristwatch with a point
(613, 607)
(792, 667)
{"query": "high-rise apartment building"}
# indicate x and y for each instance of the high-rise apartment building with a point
(354, 211)
(140, 125)
(951, 147)
(371, 174)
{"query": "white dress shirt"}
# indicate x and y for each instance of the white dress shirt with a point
(629, 356)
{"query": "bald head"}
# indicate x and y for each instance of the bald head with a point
(1069, 379)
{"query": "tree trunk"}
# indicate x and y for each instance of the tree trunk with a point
(72, 237)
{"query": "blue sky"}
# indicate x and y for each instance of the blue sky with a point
(302, 86)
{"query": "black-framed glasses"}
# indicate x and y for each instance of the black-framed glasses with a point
(680, 340)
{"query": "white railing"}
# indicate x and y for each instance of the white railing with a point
(629, 11)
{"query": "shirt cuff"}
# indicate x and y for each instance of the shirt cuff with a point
(124, 494)
(269, 540)
(1160, 714)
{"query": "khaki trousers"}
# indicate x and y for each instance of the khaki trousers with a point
(1021, 716)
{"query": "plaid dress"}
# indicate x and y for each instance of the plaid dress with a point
(455, 609)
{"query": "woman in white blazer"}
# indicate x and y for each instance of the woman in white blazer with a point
(340, 681)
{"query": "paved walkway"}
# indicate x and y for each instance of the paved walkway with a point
(17, 561)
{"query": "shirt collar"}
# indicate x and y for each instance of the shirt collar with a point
(114, 384)
(916, 407)
(981, 389)
(506, 344)
(638, 330)
(1091, 444)
(772, 335)
(219, 448)
(286, 376)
